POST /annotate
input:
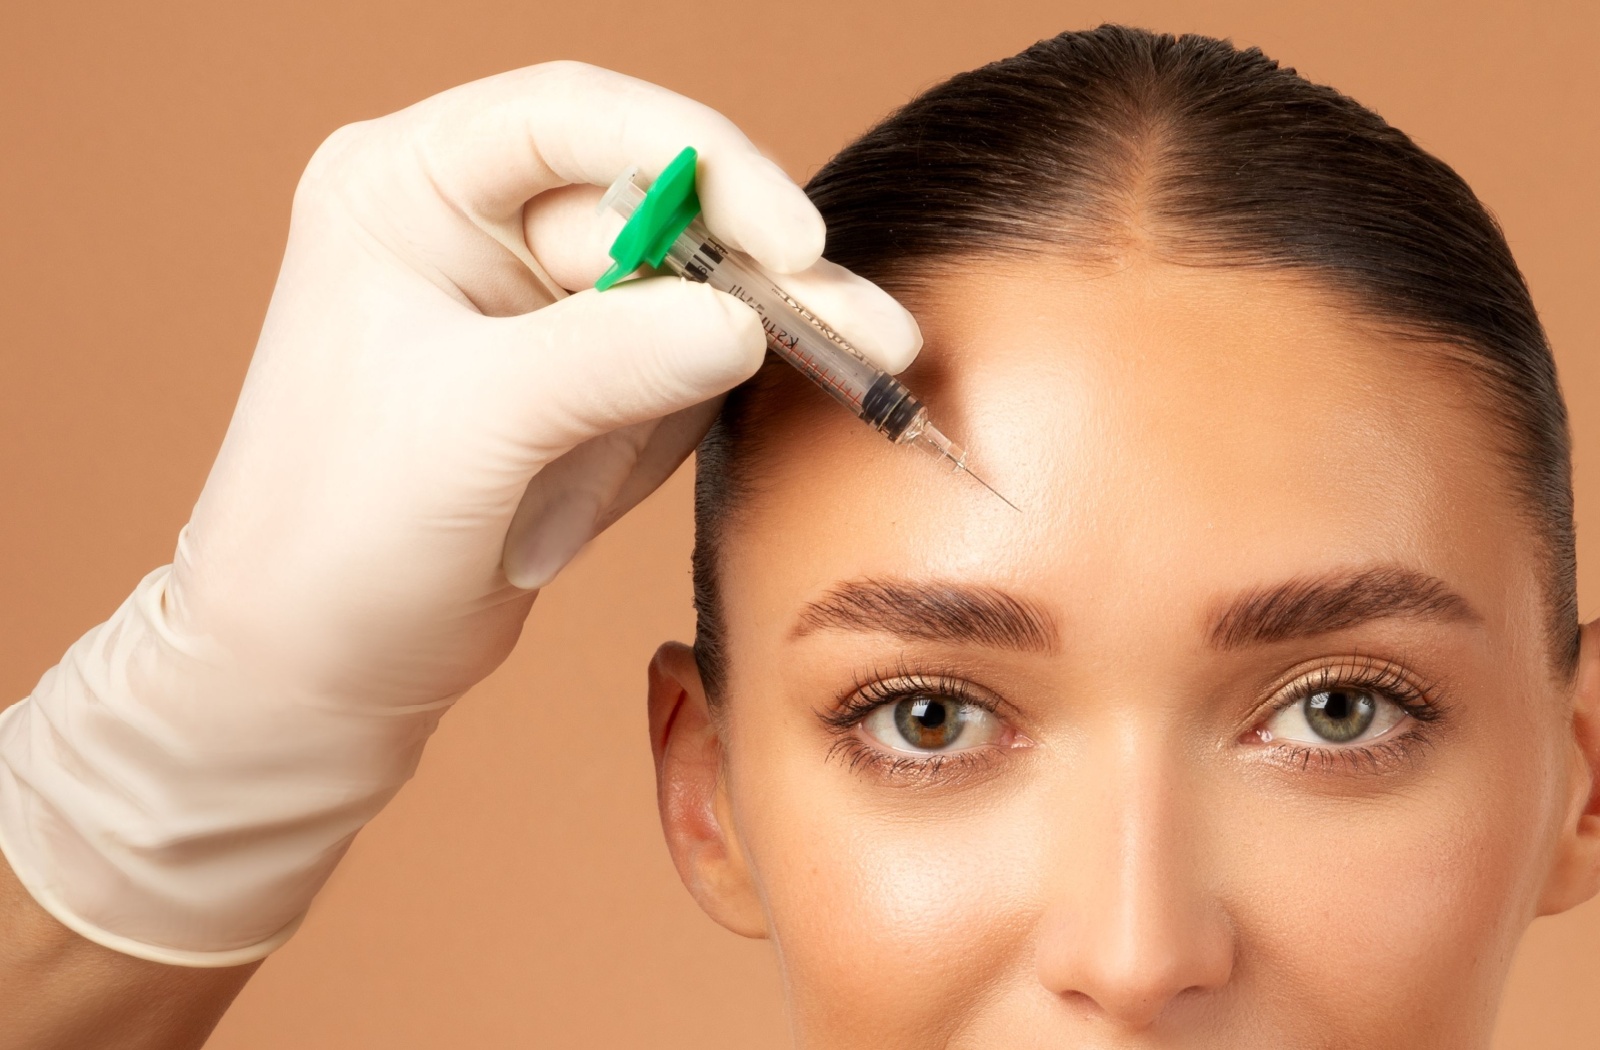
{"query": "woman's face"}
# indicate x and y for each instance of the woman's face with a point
(1242, 733)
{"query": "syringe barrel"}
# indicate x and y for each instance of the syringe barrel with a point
(793, 332)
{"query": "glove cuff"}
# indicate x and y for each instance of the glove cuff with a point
(36, 883)
(158, 802)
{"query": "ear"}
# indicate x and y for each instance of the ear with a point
(1575, 875)
(692, 794)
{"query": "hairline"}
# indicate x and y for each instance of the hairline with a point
(1450, 356)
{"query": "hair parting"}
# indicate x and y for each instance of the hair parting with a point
(1097, 145)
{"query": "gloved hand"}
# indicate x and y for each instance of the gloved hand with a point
(182, 783)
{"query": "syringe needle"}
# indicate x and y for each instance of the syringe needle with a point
(663, 230)
(931, 439)
(967, 470)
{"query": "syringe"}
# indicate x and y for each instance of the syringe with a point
(793, 332)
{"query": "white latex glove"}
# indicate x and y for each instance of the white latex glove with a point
(182, 783)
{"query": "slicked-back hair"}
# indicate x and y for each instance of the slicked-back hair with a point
(1099, 145)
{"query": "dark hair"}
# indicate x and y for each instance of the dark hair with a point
(1095, 144)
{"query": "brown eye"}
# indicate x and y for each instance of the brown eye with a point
(927, 722)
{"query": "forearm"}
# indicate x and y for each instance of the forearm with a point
(59, 991)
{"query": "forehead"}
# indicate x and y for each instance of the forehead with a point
(1168, 432)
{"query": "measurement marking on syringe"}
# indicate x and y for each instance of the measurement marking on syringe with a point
(704, 260)
(794, 333)
(823, 376)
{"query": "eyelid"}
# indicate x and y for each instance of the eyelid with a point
(848, 713)
(1418, 697)
(881, 687)
(1421, 700)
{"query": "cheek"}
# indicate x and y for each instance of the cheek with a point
(889, 927)
(1411, 902)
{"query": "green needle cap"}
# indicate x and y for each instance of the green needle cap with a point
(666, 211)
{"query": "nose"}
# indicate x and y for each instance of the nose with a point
(1135, 924)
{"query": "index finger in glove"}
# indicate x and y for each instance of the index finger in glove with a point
(569, 240)
(492, 145)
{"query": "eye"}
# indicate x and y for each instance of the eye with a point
(927, 723)
(1336, 714)
(930, 729)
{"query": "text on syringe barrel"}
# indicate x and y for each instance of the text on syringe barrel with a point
(797, 336)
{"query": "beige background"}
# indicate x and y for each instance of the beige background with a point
(518, 893)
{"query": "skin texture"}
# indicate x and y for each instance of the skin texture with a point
(61, 992)
(1124, 860)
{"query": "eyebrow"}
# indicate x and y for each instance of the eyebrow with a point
(936, 612)
(1307, 606)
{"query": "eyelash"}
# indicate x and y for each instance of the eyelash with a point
(1418, 700)
(880, 689)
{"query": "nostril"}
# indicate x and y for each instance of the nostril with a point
(1131, 974)
(1130, 1004)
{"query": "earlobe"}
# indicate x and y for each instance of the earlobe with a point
(1575, 875)
(692, 794)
